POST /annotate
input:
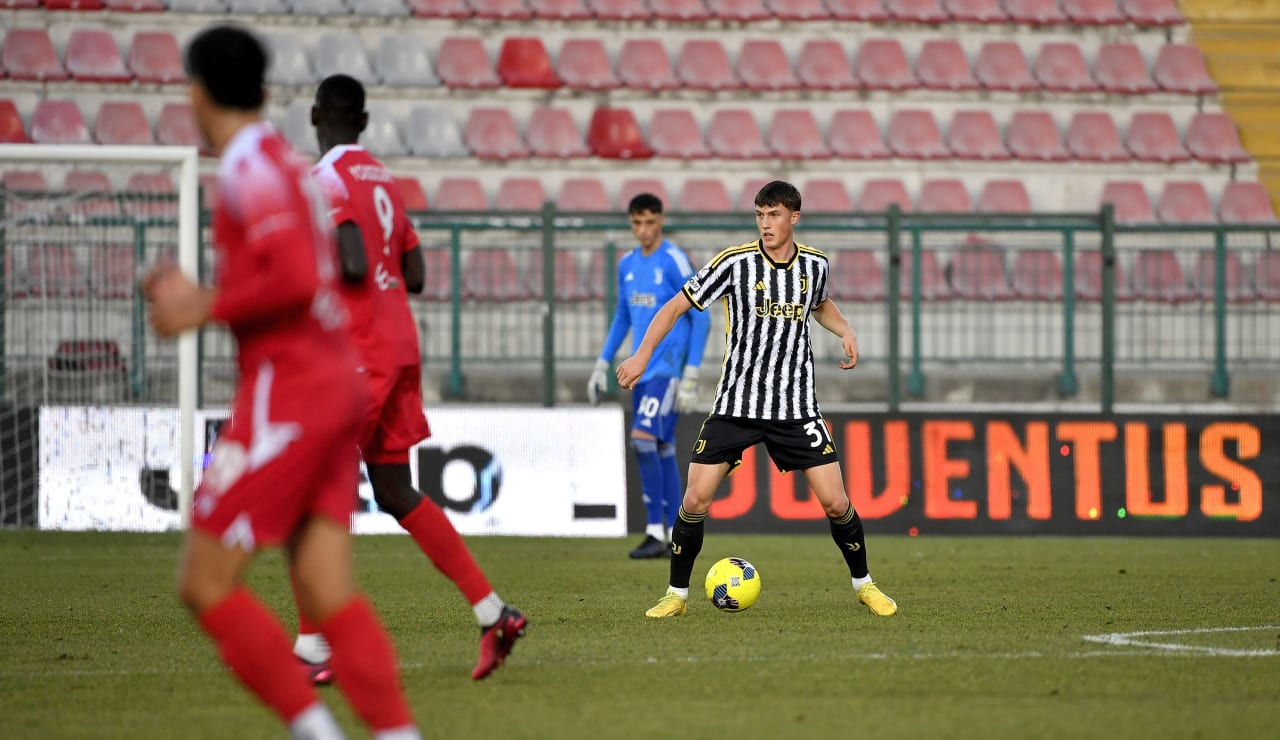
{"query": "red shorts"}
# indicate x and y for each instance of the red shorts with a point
(394, 422)
(279, 462)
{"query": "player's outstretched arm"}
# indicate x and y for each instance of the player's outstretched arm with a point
(414, 269)
(633, 367)
(829, 317)
(351, 257)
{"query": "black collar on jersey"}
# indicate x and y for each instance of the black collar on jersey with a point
(779, 265)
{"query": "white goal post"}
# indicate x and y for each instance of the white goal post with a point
(183, 162)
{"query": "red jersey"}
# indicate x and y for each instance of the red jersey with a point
(362, 192)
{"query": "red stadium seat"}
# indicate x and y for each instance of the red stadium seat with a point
(54, 272)
(1119, 68)
(1033, 136)
(1184, 202)
(916, 11)
(798, 10)
(877, 195)
(973, 135)
(438, 284)
(976, 11)
(11, 130)
(19, 4)
(584, 65)
(933, 282)
(28, 55)
(463, 63)
(1180, 68)
(569, 286)
(643, 64)
(506, 10)
(1092, 137)
(122, 122)
(93, 193)
(881, 64)
(491, 133)
(856, 276)
(176, 126)
(822, 65)
(73, 4)
(520, 194)
(151, 183)
(209, 192)
(1093, 12)
(913, 134)
(92, 56)
(739, 11)
(853, 134)
(1088, 277)
(1238, 289)
(704, 65)
(1036, 275)
(637, 185)
(762, 65)
(1157, 276)
(154, 57)
(1004, 196)
(58, 122)
(523, 62)
(583, 194)
(490, 275)
(560, 10)
(1212, 137)
(440, 8)
(620, 10)
(794, 134)
(942, 66)
(112, 271)
(686, 11)
(461, 194)
(26, 181)
(552, 133)
(673, 133)
(1001, 65)
(865, 11)
(826, 196)
(703, 195)
(1245, 203)
(1152, 137)
(944, 196)
(1152, 12)
(733, 134)
(977, 272)
(1035, 12)
(747, 196)
(1130, 201)
(1266, 276)
(415, 200)
(615, 134)
(1060, 67)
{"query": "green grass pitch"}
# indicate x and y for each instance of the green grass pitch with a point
(989, 641)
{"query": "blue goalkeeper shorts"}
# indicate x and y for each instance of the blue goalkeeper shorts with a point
(654, 403)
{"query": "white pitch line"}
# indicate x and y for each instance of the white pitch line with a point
(1129, 639)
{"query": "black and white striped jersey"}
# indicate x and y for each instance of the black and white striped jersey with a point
(768, 359)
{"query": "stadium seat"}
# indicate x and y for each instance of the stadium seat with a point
(154, 57)
(916, 11)
(209, 191)
(733, 134)
(933, 282)
(685, 11)
(257, 7)
(798, 10)
(1152, 137)
(583, 194)
(675, 134)
(941, 65)
(944, 196)
(584, 65)
(151, 183)
(826, 195)
(1212, 138)
(92, 56)
(853, 134)
(864, 11)
(460, 194)
(762, 65)
(881, 64)
(643, 64)
(1238, 289)
(977, 272)
(878, 194)
(197, 6)
(502, 10)
(552, 133)
(289, 62)
(620, 10)
(747, 195)
(415, 200)
(490, 275)
(93, 194)
(19, 4)
(1184, 202)
(856, 276)
(973, 135)
(1092, 137)
(28, 55)
(135, 6)
(122, 122)
(822, 65)
(1092, 12)
(634, 186)
(382, 136)
(1033, 136)
(1035, 12)
(401, 60)
(438, 285)
(1119, 68)
(433, 131)
(1004, 196)
(112, 271)
(704, 65)
(58, 122)
(738, 11)
(54, 272)
(703, 195)
(380, 8)
(11, 128)
(976, 11)
(569, 286)
(491, 133)
(1130, 201)
(523, 62)
(1266, 276)
(794, 134)
(463, 63)
(520, 194)
(1245, 203)
(560, 10)
(319, 8)
(1060, 67)
(1036, 275)
(1157, 276)
(614, 133)
(913, 134)
(1152, 12)
(456, 9)
(296, 127)
(1180, 68)
(73, 4)
(342, 53)
(1001, 65)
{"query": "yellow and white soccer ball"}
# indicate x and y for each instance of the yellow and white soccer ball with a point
(733, 585)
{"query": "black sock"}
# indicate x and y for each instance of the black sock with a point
(686, 543)
(847, 532)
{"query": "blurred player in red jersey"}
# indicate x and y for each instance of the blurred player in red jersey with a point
(380, 261)
(284, 471)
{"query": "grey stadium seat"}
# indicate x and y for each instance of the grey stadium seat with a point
(197, 6)
(402, 60)
(433, 131)
(258, 7)
(289, 63)
(382, 137)
(296, 127)
(341, 53)
(380, 8)
(319, 7)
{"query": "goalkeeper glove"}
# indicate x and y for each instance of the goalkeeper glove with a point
(687, 395)
(598, 382)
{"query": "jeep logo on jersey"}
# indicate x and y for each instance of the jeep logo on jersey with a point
(464, 479)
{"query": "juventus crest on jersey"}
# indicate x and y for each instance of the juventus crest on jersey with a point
(768, 362)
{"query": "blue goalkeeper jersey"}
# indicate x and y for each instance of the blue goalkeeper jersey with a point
(644, 285)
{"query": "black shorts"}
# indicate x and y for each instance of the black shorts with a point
(793, 445)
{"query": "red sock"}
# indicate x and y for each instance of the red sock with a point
(436, 537)
(305, 626)
(255, 647)
(364, 665)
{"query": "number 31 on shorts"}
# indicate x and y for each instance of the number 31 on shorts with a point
(818, 430)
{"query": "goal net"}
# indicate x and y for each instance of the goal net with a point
(96, 413)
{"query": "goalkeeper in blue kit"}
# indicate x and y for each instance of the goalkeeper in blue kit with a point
(648, 277)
